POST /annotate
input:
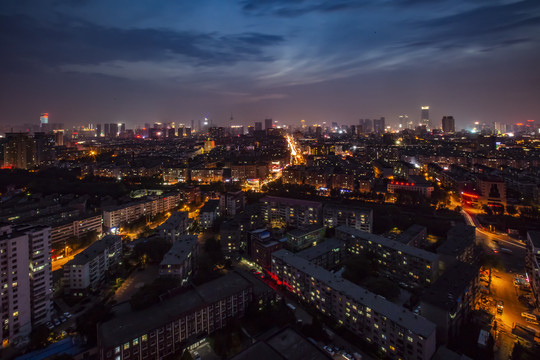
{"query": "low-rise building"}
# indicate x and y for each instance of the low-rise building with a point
(151, 206)
(180, 260)
(281, 211)
(298, 239)
(87, 270)
(166, 328)
(396, 331)
(328, 254)
(360, 218)
(262, 246)
(414, 183)
(175, 226)
(400, 261)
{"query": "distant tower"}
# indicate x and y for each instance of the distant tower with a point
(258, 126)
(43, 120)
(303, 124)
(425, 117)
(448, 124)
(379, 125)
(403, 122)
(268, 124)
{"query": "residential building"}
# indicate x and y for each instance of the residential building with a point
(19, 151)
(298, 239)
(209, 213)
(532, 262)
(180, 260)
(415, 235)
(231, 203)
(231, 238)
(460, 245)
(360, 218)
(403, 262)
(87, 270)
(450, 300)
(15, 297)
(63, 230)
(151, 206)
(328, 254)
(492, 190)
(448, 125)
(396, 331)
(175, 226)
(280, 211)
(262, 246)
(168, 327)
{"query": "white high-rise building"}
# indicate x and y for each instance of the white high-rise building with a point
(25, 280)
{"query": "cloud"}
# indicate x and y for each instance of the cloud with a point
(73, 42)
(293, 8)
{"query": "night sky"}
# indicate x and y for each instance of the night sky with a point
(132, 61)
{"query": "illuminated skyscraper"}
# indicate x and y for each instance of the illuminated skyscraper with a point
(425, 117)
(44, 119)
(403, 122)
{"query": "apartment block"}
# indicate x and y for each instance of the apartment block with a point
(328, 254)
(532, 261)
(298, 239)
(180, 260)
(396, 331)
(15, 294)
(400, 261)
(168, 327)
(460, 245)
(122, 214)
(335, 215)
(87, 270)
(280, 211)
(62, 231)
(175, 226)
(231, 203)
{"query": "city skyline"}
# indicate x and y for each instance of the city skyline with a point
(93, 62)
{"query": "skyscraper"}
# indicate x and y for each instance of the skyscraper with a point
(403, 122)
(448, 124)
(19, 151)
(258, 126)
(268, 124)
(424, 118)
(44, 119)
(379, 125)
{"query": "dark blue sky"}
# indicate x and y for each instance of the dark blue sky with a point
(97, 61)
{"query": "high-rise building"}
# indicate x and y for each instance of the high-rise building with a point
(448, 124)
(113, 130)
(403, 122)
(424, 118)
(379, 125)
(44, 119)
(106, 130)
(19, 151)
(98, 130)
(258, 126)
(27, 301)
(268, 124)
(44, 146)
(59, 138)
(122, 128)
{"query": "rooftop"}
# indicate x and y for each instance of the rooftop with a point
(129, 326)
(304, 231)
(449, 288)
(393, 244)
(180, 250)
(291, 201)
(321, 248)
(458, 239)
(210, 206)
(97, 248)
(379, 304)
(174, 221)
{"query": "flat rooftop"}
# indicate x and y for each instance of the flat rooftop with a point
(126, 327)
(379, 304)
(392, 244)
(97, 248)
(321, 248)
(458, 238)
(291, 201)
(451, 285)
(179, 250)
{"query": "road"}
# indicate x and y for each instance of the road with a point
(502, 284)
